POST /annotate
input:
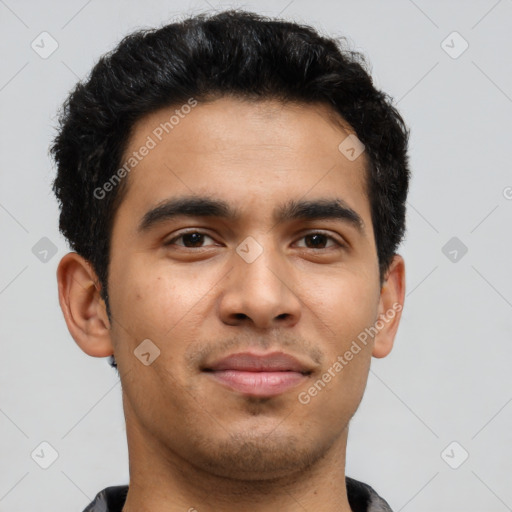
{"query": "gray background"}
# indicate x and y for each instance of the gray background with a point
(448, 378)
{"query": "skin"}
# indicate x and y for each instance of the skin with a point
(194, 444)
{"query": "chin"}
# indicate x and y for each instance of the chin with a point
(258, 455)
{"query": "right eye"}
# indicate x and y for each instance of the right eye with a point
(194, 238)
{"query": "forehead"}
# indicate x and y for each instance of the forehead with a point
(232, 125)
(264, 151)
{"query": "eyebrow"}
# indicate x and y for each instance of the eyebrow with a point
(199, 206)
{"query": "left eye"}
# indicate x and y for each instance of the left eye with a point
(318, 239)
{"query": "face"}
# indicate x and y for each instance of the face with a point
(248, 296)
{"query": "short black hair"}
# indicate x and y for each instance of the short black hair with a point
(205, 57)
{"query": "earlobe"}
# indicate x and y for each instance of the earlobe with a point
(391, 303)
(82, 306)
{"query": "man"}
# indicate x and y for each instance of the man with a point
(234, 190)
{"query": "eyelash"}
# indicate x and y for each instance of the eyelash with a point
(338, 243)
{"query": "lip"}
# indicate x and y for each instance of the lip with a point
(261, 375)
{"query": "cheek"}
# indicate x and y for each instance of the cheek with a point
(344, 309)
(149, 304)
(144, 298)
(344, 305)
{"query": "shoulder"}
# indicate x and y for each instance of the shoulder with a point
(110, 499)
(363, 498)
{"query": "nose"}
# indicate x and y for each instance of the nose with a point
(260, 293)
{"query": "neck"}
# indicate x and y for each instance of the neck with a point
(161, 481)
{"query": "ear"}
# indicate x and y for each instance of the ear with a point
(391, 303)
(83, 308)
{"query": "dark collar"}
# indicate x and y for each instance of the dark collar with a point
(361, 497)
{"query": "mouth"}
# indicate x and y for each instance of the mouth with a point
(259, 375)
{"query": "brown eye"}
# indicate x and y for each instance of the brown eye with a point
(192, 239)
(319, 240)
